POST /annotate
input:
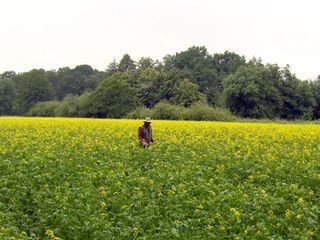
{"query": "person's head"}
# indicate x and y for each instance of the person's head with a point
(147, 121)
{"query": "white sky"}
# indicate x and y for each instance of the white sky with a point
(55, 33)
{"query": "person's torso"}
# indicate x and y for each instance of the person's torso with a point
(147, 133)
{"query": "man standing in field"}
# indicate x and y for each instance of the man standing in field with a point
(145, 133)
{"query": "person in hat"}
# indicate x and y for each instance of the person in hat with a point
(145, 133)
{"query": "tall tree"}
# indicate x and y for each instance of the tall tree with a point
(7, 96)
(112, 68)
(76, 81)
(297, 97)
(203, 70)
(149, 82)
(250, 92)
(34, 87)
(8, 75)
(126, 64)
(114, 97)
(315, 86)
(186, 59)
(227, 63)
(146, 62)
(186, 93)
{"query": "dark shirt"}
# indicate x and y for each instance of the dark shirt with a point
(145, 134)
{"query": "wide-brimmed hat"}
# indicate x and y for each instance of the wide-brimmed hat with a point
(148, 119)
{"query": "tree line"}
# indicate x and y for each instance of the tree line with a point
(189, 79)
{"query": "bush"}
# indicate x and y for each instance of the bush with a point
(165, 110)
(200, 111)
(86, 105)
(196, 112)
(44, 109)
(140, 113)
(69, 107)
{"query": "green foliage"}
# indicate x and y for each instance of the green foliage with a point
(34, 87)
(315, 88)
(200, 111)
(7, 96)
(198, 66)
(115, 97)
(126, 64)
(146, 62)
(150, 81)
(298, 100)
(186, 59)
(69, 107)
(165, 110)
(187, 93)
(85, 104)
(44, 109)
(228, 63)
(170, 81)
(248, 89)
(251, 93)
(140, 113)
(76, 81)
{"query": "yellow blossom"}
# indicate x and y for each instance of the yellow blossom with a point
(235, 212)
(49, 233)
(288, 213)
(103, 193)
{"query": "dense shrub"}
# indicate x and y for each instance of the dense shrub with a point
(198, 111)
(140, 112)
(69, 107)
(165, 110)
(201, 111)
(44, 109)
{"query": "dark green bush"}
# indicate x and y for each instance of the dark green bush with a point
(196, 112)
(140, 113)
(44, 109)
(200, 111)
(165, 110)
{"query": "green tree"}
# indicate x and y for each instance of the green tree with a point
(7, 96)
(250, 92)
(126, 64)
(145, 62)
(69, 107)
(114, 97)
(149, 81)
(44, 109)
(315, 86)
(76, 81)
(186, 59)
(85, 104)
(297, 97)
(10, 75)
(34, 87)
(112, 68)
(227, 63)
(204, 69)
(170, 81)
(187, 93)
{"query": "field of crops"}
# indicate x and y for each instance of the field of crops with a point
(89, 179)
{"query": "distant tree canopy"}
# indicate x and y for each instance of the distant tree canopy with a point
(34, 87)
(251, 92)
(247, 88)
(7, 96)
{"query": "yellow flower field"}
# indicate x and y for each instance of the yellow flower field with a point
(89, 179)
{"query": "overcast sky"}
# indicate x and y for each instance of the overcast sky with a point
(55, 33)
